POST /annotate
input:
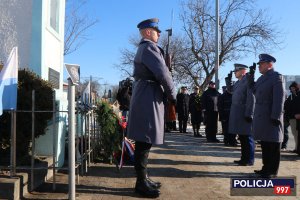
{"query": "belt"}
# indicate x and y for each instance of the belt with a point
(148, 80)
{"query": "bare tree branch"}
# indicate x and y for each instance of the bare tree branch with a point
(244, 29)
(76, 25)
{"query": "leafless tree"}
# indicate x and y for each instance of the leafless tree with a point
(77, 22)
(127, 56)
(244, 29)
(114, 91)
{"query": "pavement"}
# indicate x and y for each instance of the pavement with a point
(188, 168)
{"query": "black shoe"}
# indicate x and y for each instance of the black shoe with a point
(267, 175)
(233, 144)
(154, 184)
(245, 164)
(237, 161)
(258, 171)
(213, 140)
(242, 163)
(143, 188)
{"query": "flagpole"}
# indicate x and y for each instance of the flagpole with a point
(217, 47)
(71, 102)
(13, 144)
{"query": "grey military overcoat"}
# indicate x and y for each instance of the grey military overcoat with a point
(242, 106)
(152, 79)
(269, 93)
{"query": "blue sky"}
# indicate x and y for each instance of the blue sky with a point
(118, 20)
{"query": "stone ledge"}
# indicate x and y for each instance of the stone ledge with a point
(14, 188)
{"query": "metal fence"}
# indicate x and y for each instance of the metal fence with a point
(88, 135)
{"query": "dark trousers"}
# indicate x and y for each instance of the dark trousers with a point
(298, 148)
(270, 157)
(196, 128)
(298, 128)
(141, 154)
(285, 136)
(247, 148)
(211, 123)
(228, 137)
(182, 125)
(174, 125)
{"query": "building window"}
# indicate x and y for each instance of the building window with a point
(54, 14)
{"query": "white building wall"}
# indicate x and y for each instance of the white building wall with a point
(26, 24)
(52, 57)
(15, 29)
(53, 41)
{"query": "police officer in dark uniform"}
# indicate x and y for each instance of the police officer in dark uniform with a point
(297, 117)
(196, 111)
(269, 91)
(241, 115)
(209, 102)
(289, 111)
(224, 104)
(182, 108)
(146, 120)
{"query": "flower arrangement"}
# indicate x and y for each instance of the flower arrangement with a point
(127, 151)
(111, 132)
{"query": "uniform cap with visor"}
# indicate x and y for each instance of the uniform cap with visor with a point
(149, 23)
(238, 67)
(266, 58)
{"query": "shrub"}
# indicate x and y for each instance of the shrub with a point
(27, 81)
(111, 132)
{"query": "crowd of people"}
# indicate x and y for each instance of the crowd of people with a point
(249, 111)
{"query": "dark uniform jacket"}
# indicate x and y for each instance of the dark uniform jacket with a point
(269, 91)
(152, 80)
(297, 111)
(182, 106)
(290, 104)
(195, 109)
(209, 100)
(224, 104)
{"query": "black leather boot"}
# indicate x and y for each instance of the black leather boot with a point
(143, 188)
(154, 184)
(174, 125)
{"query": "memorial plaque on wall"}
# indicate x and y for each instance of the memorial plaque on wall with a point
(54, 78)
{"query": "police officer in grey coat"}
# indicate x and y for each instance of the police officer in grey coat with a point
(241, 115)
(146, 118)
(268, 114)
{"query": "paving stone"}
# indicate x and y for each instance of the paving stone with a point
(188, 167)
